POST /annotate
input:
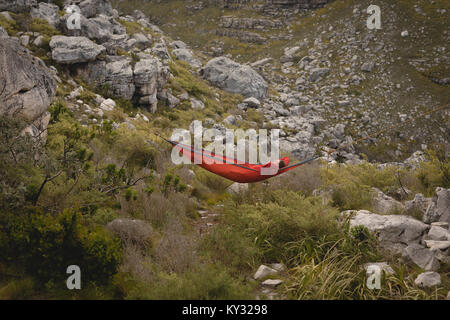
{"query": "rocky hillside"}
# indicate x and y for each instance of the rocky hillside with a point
(85, 83)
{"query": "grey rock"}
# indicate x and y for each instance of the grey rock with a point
(261, 62)
(142, 40)
(119, 76)
(46, 11)
(108, 105)
(437, 245)
(438, 234)
(150, 77)
(197, 104)
(318, 73)
(100, 28)
(234, 77)
(384, 204)
(91, 8)
(439, 209)
(264, 271)
(230, 120)
(441, 224)
(272, 283)
(39, 41)
(418, 204)
(160, 49)
(416, 158)
(70, 50)
(178, 44)
(237, 188)
(25, 40)
(252, 102)
(428, 279)
(38, 126)
(17, 6)
(368, 66)
(116, 74)
(27, 86)
(394, 231)
(186, 55)
(421, 256)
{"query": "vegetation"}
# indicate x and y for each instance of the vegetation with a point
(60, 191)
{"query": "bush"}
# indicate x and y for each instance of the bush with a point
(17, 290)
(45, 246)
(209, 282)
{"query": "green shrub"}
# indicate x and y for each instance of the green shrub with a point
(18, 289)
(209, 282)
(45, 246)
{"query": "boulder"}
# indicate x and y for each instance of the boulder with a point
(418, 205)
(415, 159)
(237, 188)
(70, 50)
(437, 244)
(394, 231)
(108, 105)
(421, 256)
(231, 120)
(46, 11)
(438, 233)
(384, 204)
(101, 28)
(115, 73)
(17, 6)
(264, 271)
(272, 283)
(27, 86)
(91, 8)
(234, 77)
(318, 73)
(119, 76)
(368, 67)
(150, 77)
(252, 102)
(197, 104)
(439, 209)
(186, 55)
(160, 50)
(178, 44)
(428, 279)
(142, 40)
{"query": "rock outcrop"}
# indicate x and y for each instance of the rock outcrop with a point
(46, 11)
(439, 209)
(17, 5)
(234, 77)
(27, 86)
(71, 50)
(395, 232)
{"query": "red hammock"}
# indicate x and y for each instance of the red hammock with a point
(230, 168)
